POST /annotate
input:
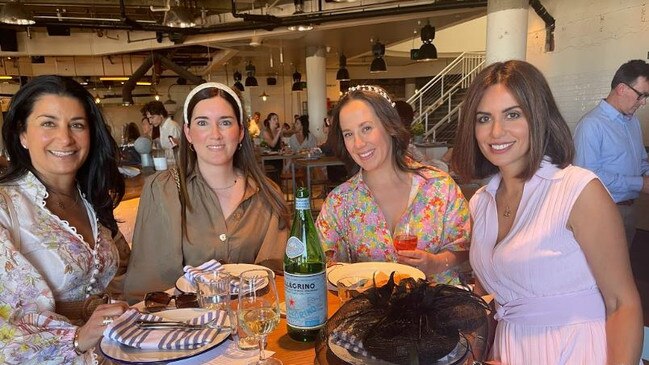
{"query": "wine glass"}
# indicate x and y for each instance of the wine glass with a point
(405, 238)
(258, 309)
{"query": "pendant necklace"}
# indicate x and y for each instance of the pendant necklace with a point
(58, 200)
(508, 212)
(227, 187)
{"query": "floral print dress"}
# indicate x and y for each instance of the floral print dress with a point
(53, 263)
(352, 225)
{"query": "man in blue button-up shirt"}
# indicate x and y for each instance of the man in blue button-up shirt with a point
(608, 140)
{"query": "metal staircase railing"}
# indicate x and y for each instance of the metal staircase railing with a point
(443, 91)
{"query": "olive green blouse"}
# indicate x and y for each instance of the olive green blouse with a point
(251, 234)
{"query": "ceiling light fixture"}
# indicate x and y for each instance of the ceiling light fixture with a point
(237, 80)
(178, 17)
(427, 51)
(16, 13)
(300, 27)
(342, 74)
(251, 80)
(378, 63)
(297, 81)
(264, 96)
(97, 99)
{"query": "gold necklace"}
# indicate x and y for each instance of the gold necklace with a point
(59, 201)
(227, 187)
(508, 212)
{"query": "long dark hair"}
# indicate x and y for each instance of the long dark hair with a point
(389, 118)
(549, 133)
(244, 159)
(304, 120)
(98, 178)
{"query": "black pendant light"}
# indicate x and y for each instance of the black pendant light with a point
(427, 51)
(251, 80)
(237, 80)
(297, 81)
(343, 73)
(378, 64)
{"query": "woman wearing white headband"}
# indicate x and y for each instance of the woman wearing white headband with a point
(220, 205)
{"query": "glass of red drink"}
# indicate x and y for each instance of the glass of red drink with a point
(405, 239)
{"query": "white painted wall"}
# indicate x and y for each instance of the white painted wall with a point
(592, 39)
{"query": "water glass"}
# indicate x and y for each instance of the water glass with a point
(213, 290)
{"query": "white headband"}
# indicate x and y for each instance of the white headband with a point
(216, 85)
(373, 89)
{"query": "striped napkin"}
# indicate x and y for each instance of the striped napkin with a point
(125, 331)
(341, 336)
(195, 273)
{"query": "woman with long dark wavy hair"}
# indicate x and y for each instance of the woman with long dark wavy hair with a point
(390, 193)
(57, 245)
(217, 205)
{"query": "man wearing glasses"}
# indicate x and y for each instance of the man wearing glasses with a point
(608, 141)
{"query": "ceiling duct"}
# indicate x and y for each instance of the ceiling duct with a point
(129, 85)
(267, 22)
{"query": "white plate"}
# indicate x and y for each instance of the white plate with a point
(367, 269)
(129, 171)
(116, 351)
(355, 358)
(235, 270)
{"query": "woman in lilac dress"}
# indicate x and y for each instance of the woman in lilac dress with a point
(547, 240)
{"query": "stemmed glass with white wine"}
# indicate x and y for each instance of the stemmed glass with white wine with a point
(258, 310)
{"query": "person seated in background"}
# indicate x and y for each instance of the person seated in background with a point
(548, 242)
(217, 204)
(60, 247)
(254, 125)
(407, 115)
(302, 139)
(389, 193)
(271, 135)
(128, 153)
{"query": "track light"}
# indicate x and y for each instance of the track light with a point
(297, 81)
(251, 80)
(343, 73)
(16, 13)
(237, 81)
(378, 64)
(427, 51)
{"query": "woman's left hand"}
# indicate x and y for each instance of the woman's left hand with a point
(427, 262)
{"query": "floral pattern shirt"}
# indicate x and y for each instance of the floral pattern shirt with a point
(352, 225)
(53, 263)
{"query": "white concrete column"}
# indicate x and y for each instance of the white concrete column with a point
(411, 87)
(316, 86)
(506, 30)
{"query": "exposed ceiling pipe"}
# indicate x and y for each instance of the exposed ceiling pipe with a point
(549, 23)
(254, 17)
(314, 18)
(129, 85)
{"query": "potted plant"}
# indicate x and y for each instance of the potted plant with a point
(418, 130)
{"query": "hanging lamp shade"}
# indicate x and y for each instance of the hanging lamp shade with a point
(427, 51)
(343, 73)
(237, 81)
(378, 63)
(297, 81)
(251, 80)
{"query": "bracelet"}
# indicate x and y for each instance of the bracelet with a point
(75, 343)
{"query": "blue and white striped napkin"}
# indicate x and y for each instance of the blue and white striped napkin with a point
(125, 331)
(191, 272)
(342, 337)
(195, 273)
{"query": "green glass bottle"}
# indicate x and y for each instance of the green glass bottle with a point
(305, 281)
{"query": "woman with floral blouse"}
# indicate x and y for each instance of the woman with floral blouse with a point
(390, 191)
(57, 229)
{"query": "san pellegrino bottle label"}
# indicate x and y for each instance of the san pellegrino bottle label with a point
(305, 307)
(294, 247)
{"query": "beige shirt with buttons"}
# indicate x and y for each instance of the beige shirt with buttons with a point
(251, 234)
